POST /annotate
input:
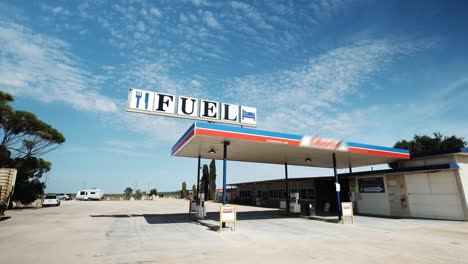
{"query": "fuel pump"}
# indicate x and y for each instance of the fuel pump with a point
(294, 206)
(201, 209)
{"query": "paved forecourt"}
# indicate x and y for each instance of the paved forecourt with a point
(160, 232)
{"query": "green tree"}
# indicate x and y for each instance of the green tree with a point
(24, 138)
(421, 144)
(138, 194)
(438, 142)
(212, 182)
(28, 186)
(128, 192)
(23, 133)
(205, 181)
(183, 193)
(154, 192)
(194, 190)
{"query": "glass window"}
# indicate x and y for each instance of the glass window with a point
(303, 194)
(51, 197)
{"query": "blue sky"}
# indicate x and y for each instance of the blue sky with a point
(362, 71)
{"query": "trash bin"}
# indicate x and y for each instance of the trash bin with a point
(311, 208)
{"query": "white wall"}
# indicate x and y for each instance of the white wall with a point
(463, 181)
(427, 161)
(374, 203)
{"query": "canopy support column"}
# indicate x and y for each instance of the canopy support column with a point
(287, 187)
(198, 181)
(225, 143)
(336, 186)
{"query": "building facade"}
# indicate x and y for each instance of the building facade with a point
(429, 185)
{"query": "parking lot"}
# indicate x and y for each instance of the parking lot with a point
(160, 232)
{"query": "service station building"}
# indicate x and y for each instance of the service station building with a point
(429, 185)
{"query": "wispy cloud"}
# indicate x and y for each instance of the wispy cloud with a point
(211, 20)
(158, 76)
(194, 31)
(42, 67)
(306, 98)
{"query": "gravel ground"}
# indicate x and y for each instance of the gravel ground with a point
(160, 232)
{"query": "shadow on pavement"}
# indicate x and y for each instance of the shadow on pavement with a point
(3, 218)
(186, 218)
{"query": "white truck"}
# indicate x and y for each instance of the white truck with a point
(92, 194)
(7, 186)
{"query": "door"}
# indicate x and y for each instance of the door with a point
(434, 195)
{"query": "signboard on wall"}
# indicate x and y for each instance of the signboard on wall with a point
(371, 185)
(147, 102)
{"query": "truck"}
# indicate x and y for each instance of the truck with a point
(7, 186)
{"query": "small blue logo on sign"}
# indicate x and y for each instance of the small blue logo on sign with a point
(138, 96)
(246, 114)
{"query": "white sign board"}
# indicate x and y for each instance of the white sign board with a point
(347, 209)
(228, 213)
(337, 187)
(147, 102)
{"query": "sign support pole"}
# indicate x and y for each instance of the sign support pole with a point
(198, 182)
(287, 187)
(337, 182)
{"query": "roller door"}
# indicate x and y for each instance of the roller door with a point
(434, 195)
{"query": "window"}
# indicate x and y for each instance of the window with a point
(93, 193)
(244, 193)
(303, 194)
(311, 194)
(51, 197)
(82, 193)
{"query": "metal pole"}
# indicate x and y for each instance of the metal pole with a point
(198, 181)
(337, 182)
(287, 188)
(226, 143)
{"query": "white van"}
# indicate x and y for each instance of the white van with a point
(94, 194)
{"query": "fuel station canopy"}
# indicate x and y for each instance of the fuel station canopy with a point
(206, 140)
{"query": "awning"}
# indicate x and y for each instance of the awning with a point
(205, 140)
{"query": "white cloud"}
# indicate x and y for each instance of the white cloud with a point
(211, 20)
(306, 98)
(252, 14)
(41, 67)
(154, 11)
(195, 83)
(460, 83)
(155, 76)
(183, 18)
(120, 143)
(140, 26)
(323, 9)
